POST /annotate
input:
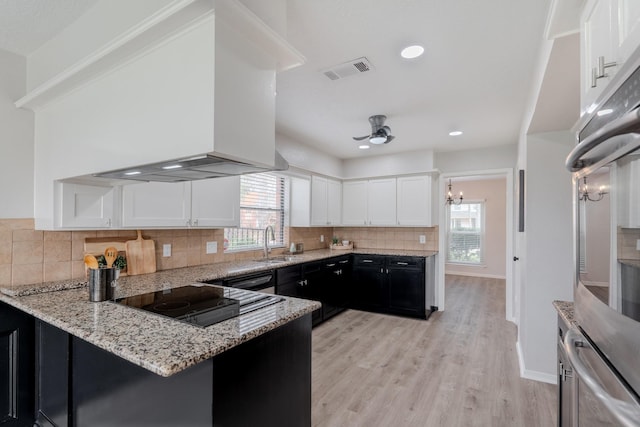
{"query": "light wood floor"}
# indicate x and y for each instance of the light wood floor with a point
(459, 368)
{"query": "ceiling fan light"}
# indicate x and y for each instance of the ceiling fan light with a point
(377, 139)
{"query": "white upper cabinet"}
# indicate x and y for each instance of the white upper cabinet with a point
(610, 31)
(84, 206)
(215, 202)
(354, 203)
(299, 201)
(326, 201)
(414, 201)
(156, 204)
(204, 203)
(381, 204)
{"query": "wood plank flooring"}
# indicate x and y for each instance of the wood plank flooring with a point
(459, 368)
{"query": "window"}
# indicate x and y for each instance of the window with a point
(465, 233)
(261, 204)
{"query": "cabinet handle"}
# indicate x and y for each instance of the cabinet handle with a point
(331, 265)
(188, 223)
(108, 222)
(367, 260)
(601, 71)
(387, 271)
(382, 270)
(346, 261)
(402, 263)
(195, 222)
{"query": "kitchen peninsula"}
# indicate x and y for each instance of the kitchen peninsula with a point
(96, 359)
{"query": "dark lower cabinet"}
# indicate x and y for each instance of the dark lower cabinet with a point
(17, 367)
(406, 282)
(263, 382)
(369, 287)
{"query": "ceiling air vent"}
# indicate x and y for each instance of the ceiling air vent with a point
(355, 66)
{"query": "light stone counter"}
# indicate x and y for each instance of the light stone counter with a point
(162, 345)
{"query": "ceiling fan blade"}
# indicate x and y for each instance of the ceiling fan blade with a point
(360, 138)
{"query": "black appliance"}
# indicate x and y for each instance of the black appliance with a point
(603, 351)
(199, 304)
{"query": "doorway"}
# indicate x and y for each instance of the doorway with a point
(495, 262)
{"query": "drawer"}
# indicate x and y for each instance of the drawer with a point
(288, 274)
(408, 262)
(366, 260)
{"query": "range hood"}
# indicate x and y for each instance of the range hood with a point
(205, 166)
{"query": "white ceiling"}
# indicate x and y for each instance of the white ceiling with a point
(475, 74)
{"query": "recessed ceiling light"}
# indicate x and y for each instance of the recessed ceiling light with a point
(411, 52)
(172, 167)
(364, 147)
(455, 133)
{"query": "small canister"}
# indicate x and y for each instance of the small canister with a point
(102, 283)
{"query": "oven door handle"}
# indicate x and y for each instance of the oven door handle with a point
(627, 414)
(616, 134)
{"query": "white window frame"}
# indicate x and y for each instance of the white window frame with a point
(483, 214)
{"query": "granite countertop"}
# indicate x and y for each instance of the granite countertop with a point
(565, 310)
(163, 345)
(631, 262)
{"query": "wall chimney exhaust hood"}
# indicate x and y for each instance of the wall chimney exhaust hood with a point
(190, 169)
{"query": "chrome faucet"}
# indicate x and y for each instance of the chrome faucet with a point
(267, 249)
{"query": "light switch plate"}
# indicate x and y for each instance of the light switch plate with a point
(166, 250)
(638, 245)
(321, 238)
(212, 247)
(423, 239)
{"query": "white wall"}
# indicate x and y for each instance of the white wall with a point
(16, 141)
(547, 274)
(308, 158)
(498, 157)
(387, 165)
(493, 193)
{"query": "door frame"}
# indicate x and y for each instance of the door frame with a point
(507, 173)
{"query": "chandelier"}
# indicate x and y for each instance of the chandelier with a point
(583, 193)
(451, 199)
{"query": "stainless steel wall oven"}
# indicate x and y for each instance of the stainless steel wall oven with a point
(605, 349)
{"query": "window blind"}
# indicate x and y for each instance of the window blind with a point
(465, 234)
(261, 204)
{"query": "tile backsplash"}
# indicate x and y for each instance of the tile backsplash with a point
(29, 256)
(628, 243)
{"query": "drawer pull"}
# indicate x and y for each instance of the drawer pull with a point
(402, 263)
(367, 260)
(331, 265)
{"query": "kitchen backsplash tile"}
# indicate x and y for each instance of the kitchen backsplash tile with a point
(627, 243)
(29, 256)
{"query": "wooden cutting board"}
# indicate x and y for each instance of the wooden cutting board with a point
(141, 255)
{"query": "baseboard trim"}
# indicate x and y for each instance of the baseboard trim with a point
(486, 276)
(533, 375)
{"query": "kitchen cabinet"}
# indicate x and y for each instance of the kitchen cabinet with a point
(414, 201)
(84, 206)
(17, 367)
(205, 203)
(335, 287)
(300, 281)
(566, 382)
(390, 284)
(610, 31)
(299, 201)
(326, 201)
(369, 202)
(215, 202)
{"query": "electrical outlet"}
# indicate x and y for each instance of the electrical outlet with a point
(166, 250)
(212, 247)
(322, 238)
(423, 239)
(638, 245)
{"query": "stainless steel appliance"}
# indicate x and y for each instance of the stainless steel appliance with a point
(604, 352)
(200, 304)
(262, 281)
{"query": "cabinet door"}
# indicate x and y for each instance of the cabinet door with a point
(414, 201)
(86, 206)
(216, 202)
(381, 208)
(354, 203)
(598, 40)
(334, 202)
(406, 287)
(318, 201)
(300, 202)
(16, 367)
(628, 28)
(369, 283)
(156, 204)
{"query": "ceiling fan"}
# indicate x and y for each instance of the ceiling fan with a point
(380, 134)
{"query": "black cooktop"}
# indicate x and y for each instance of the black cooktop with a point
(198, 305)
